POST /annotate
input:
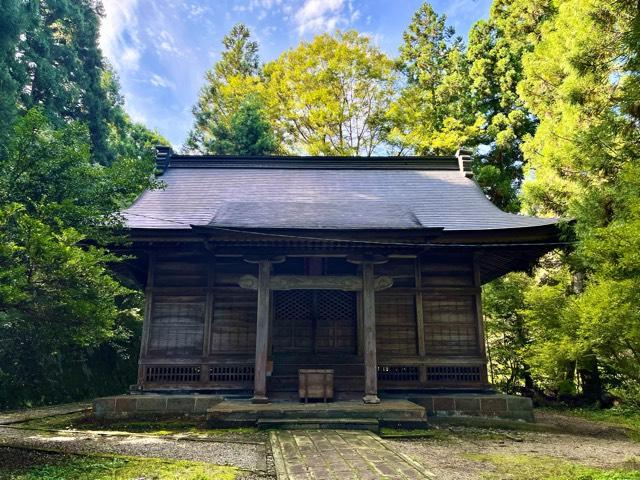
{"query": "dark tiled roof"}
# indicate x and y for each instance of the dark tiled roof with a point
(316, 194)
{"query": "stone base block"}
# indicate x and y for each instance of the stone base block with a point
(492, 405)
(151, 405)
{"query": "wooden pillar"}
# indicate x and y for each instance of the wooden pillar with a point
(208, 318)
(420, 320)
(263, 322)
(146, 323)
(262, 333)
(369, 335)
(482, 346)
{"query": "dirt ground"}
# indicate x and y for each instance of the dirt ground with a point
(556, 445)
(460, 452)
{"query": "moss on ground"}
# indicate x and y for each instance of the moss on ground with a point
(531, 467)
(161, 427)
(624, 416)
(76, 467)
(432, 433)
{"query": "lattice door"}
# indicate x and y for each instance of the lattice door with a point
(335, 321)
(293, 321)
(309, 321)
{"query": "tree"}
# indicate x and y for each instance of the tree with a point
(58, 294)
(581, 81)
(507, 333)
(248, 133)
(330, 96)
(432, 114)
(227, 86)
(12, 21)
(495, 51)
(49, 58)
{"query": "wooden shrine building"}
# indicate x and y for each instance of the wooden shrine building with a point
(256, 268)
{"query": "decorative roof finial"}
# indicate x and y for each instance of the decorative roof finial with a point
(464, 162)
(163, 157)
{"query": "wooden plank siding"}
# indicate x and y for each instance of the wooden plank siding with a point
(200, 326)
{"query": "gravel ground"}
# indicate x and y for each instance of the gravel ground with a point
(250, 456)
(589, 443)
(16, 416)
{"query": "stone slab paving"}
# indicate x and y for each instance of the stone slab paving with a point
(340, 455)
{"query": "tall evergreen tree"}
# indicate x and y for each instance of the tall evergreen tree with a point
(581, 81)
(249, 132)
(495, 51)
(234, 78)
(432, 114)
(49, 58)
(12, 22)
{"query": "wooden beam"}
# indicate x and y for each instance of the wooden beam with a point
(348, 283)
(262, 333)
(369, 335)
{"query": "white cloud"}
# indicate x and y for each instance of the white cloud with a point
(265, 4)
(167, 43)
(119, 34)
(196, 11)
(319, 16)
(162, 82)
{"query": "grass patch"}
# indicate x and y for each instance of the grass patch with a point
(529, 467)
(56, 422)
(121, 468)
(626, 417)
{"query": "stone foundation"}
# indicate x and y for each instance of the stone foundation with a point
(438, 407)
(151, 405)
(507, 407)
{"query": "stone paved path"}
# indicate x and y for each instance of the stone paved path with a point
(339, 455)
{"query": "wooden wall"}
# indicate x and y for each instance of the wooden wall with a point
(429, 324)
(199, 327)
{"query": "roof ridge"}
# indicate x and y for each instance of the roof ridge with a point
(166, 158)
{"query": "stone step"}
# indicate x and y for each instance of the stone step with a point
(388, 412)
(370, 424)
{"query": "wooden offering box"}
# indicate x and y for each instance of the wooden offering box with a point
(315, 384)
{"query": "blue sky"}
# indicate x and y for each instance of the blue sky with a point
(162, 48)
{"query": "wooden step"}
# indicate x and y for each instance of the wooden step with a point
(370, 424)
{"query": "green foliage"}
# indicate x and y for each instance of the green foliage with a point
(70, 158)
(584, 154)
(432, 114)
(330, 96)
(49, 58)
(507, 333)
(495, 51)
(231, 97)
(60, 304)
(248, 133)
